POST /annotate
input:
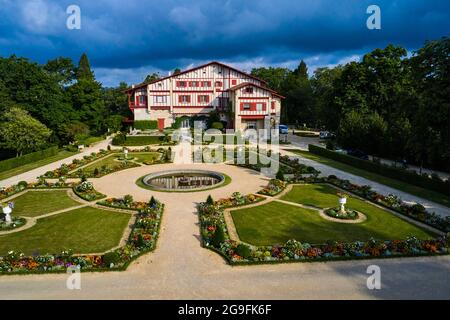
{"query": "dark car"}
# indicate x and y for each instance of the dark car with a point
(358, 154)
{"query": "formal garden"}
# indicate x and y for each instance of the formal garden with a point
(319, 219)
(63, 231)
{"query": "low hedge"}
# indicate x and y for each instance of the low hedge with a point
(145, 124)
(384, 170)
(28, 158)
(141, 140)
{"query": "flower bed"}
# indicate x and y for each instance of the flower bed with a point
(142, 239)
(86, 191)
(337, 214)
(126, 202)
(215, 237)
(64, 169)
(17, 222)
(103, 170)
(416, 211)
(237, 199)
(274, 187)
(40, 184)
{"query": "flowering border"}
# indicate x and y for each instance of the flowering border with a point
(211, 218)
(143, 239)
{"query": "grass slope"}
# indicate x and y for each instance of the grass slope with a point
(30, 166)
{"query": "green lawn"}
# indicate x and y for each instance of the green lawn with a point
(145, 156)
(396, 184)
(276, 222)
(30, 166)
(84, 230)
(37, 203)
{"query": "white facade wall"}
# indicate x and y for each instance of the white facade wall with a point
(165, 96)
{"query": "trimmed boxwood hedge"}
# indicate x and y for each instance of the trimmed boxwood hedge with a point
(384, 170)
(145, 124)
(139, 140)
(28, 158)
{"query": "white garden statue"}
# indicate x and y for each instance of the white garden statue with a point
(342, 201)
(7, 211)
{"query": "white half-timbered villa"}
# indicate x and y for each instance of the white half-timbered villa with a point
(242, 100)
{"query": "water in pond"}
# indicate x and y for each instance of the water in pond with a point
(183, 180)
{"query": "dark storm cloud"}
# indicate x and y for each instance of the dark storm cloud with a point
(127, 39)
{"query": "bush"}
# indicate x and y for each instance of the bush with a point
(22, 184)
(145, 124)
(243, 250)
(28, 158)
(209, 200)
(119, 139)
(152, 202)
(330, 145)
(218, 237)
(280, 175)
(387, 171)
(96, 172)
(139, 140)
(217, 125)
(111, 257)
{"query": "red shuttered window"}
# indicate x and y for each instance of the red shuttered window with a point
(218, 83)
(273, 105)
(184, 99)
(233, 82)
(203, 99)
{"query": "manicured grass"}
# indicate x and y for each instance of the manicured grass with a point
(145, 156)
(276, 222)
(84, 230)
(37, 203)
(110, 162)
(396, 184)
(30, 166)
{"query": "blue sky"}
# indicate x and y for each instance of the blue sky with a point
(127, 39)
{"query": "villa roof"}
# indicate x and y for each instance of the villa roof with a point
(193, 69)
(247, 84)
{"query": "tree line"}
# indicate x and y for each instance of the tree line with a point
(388, 104)
(54, 104)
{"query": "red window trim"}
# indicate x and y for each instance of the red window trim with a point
(233, 82)
(180, 98)
(218, 84)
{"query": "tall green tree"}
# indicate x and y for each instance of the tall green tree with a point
(21, 132)
(87, 98)
(152, 77)
(84, 69)
(62, 69)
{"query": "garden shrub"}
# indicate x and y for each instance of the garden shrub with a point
(28, 158)
(119, 139)
(280, 175)
(111, 257)
(384, 170)
(22, 184)
(218, 237)
(243, 250)
(217, 125)
(209, 200)
(145, 124)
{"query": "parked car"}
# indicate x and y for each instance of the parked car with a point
(358, 154)
(283, 129)
(326, 135)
